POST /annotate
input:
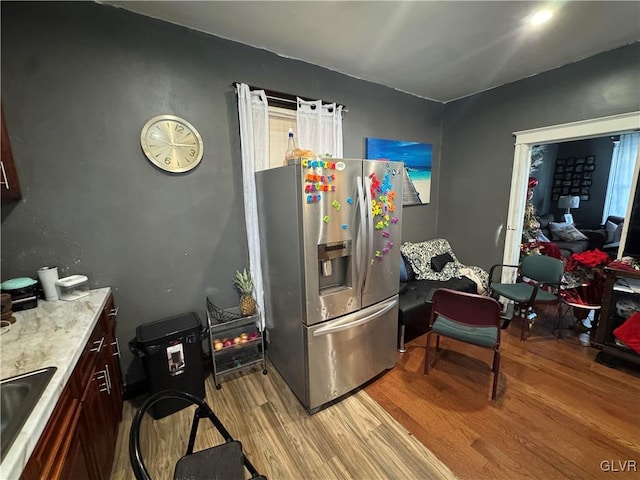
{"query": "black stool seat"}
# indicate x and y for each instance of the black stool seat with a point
(224, 462)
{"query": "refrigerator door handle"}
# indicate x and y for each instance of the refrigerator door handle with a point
(369, 255)
(362, 237)
(339, 326)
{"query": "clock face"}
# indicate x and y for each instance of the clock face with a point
(171, 143)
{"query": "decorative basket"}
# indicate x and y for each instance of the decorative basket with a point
(219, 315)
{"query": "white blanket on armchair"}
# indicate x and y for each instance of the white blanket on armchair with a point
(420, 255)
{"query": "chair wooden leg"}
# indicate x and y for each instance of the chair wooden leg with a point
(437, 343)
(524, 317)
(496, 373)
(426, 355)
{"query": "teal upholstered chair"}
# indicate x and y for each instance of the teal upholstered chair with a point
(469, 318)
(538, 280)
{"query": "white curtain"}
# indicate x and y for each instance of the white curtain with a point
(623, 161)
(320, 128)
(253, 112)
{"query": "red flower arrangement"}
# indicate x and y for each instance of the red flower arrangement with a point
(584, 273)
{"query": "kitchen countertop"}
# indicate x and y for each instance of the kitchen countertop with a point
(51, 335)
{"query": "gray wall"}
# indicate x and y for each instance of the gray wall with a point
(79, 80)
(589, 214)
(478, 145)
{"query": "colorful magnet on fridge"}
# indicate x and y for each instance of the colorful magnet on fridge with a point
(345, 226)
(350, 200)
(325, 219)
(385, 234)
(310, 198)
(394, 220)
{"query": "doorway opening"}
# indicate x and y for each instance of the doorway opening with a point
(525, 141)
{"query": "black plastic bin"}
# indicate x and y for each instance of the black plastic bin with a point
(171, 353)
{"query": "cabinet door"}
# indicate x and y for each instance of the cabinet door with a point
(75, 464)
(9, 176)
(96, 425)
(49, 455)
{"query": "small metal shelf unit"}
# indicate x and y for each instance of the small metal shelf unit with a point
(242, 341)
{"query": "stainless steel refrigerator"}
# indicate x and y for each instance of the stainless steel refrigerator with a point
(330, 243)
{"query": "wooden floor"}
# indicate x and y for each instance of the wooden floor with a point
(353, 439)
(559, 414)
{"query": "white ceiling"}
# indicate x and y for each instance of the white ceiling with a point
(433, 49)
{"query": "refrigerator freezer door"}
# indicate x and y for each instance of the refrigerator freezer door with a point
(346, 352)
(383, 185)
(330, 226)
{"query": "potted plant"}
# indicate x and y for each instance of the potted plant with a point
(584, 273)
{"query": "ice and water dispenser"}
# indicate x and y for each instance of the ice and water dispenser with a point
(334, 262)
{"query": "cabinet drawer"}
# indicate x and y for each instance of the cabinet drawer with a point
(91, 353)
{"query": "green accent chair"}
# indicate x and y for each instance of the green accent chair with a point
(469, 318)
(538, 280)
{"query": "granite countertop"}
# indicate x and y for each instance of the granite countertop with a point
(51, 335)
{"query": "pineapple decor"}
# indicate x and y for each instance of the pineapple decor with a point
(244, 284)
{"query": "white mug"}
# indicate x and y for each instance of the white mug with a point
(48, 277)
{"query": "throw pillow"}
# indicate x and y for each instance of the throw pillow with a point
(610, 228)
(566, 232)
(541, 237)
(419, 255)
(404, 276)
(439, 261)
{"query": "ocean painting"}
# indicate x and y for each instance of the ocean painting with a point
(417, 161)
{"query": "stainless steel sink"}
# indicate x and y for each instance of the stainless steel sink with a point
(18, 396)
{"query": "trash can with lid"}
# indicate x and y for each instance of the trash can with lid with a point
(171, 353)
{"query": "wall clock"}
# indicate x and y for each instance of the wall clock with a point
(171, 143)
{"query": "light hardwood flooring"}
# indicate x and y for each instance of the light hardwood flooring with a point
(353, 439)
(559, 414)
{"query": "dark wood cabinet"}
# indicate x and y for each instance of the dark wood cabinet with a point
(75, 463)
(8, 174)
(80, 439)
(615, 293)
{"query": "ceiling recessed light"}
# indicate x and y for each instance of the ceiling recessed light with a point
(541, 17)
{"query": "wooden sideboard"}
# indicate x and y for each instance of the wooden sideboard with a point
(615, 292)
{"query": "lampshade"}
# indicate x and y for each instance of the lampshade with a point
(567, 201)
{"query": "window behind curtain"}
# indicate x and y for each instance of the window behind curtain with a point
(280, 121)
(621, 175)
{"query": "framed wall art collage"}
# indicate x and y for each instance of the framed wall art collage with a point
(573, 176)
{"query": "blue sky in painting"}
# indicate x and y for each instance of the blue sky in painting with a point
(413, 154)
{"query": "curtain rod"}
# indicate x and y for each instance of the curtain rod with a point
(286, 100)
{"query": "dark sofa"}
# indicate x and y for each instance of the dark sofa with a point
(596, 237)
(416, 292)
